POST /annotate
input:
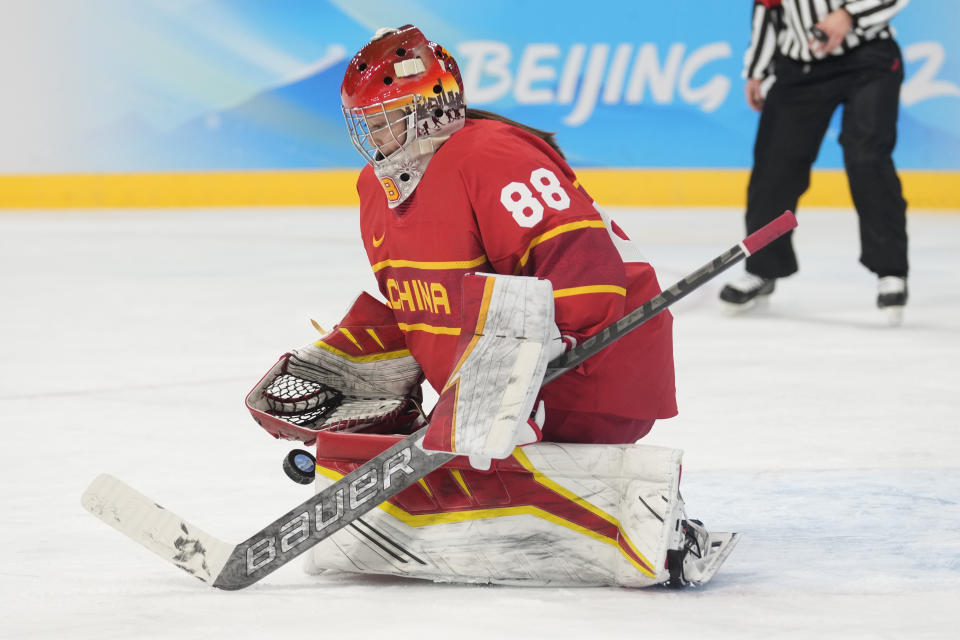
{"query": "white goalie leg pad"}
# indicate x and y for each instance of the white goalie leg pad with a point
(552, 514)
(483, 409)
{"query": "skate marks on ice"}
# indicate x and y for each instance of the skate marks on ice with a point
(848, 532)
(857, 532)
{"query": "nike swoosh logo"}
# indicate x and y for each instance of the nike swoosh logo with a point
(379, 241)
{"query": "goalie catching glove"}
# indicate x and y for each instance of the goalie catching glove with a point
(359, 376)
(507, 338)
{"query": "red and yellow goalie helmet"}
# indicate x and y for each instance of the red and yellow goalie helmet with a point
(402, 98)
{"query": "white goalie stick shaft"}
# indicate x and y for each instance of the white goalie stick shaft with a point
(229, 566)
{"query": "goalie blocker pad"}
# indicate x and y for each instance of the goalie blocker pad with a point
(550, 514)
(501, 357)
(359, 376)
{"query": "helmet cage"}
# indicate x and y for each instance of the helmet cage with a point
(402, 98)
(379, 141)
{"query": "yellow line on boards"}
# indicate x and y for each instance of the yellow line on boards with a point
(610, 187)
(201, 189)
(728, 188)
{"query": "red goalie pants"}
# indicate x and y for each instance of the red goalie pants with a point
(593, 427)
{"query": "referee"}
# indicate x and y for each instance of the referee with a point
(821, 54)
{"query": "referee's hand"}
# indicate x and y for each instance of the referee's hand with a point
(754, 94)
(836, 25)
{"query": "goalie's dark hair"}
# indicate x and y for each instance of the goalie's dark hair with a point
(546, 136)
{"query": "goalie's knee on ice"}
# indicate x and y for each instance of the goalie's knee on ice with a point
(552, 514)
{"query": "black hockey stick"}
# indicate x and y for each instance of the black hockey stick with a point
(751, 244)
(231, 567)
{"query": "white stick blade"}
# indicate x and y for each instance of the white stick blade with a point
(161, 531)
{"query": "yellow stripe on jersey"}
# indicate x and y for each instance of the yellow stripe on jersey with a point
(553, 233)
(455, 264)
(429, 328)
(597, 288)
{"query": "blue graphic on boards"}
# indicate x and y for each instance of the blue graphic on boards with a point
(630, 84)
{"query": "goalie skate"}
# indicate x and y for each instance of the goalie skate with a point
(550, 514)
(697, 554)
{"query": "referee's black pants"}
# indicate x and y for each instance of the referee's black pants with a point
(795, 117)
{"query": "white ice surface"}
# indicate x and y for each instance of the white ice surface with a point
(128, 340)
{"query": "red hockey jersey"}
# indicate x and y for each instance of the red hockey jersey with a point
(497, 199)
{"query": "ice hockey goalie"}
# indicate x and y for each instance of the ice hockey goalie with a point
(545, 513)
(550, 514)
(545, 488)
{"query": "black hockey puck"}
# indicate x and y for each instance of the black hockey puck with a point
(300, 466)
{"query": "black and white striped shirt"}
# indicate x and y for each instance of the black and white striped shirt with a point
(786, 25)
